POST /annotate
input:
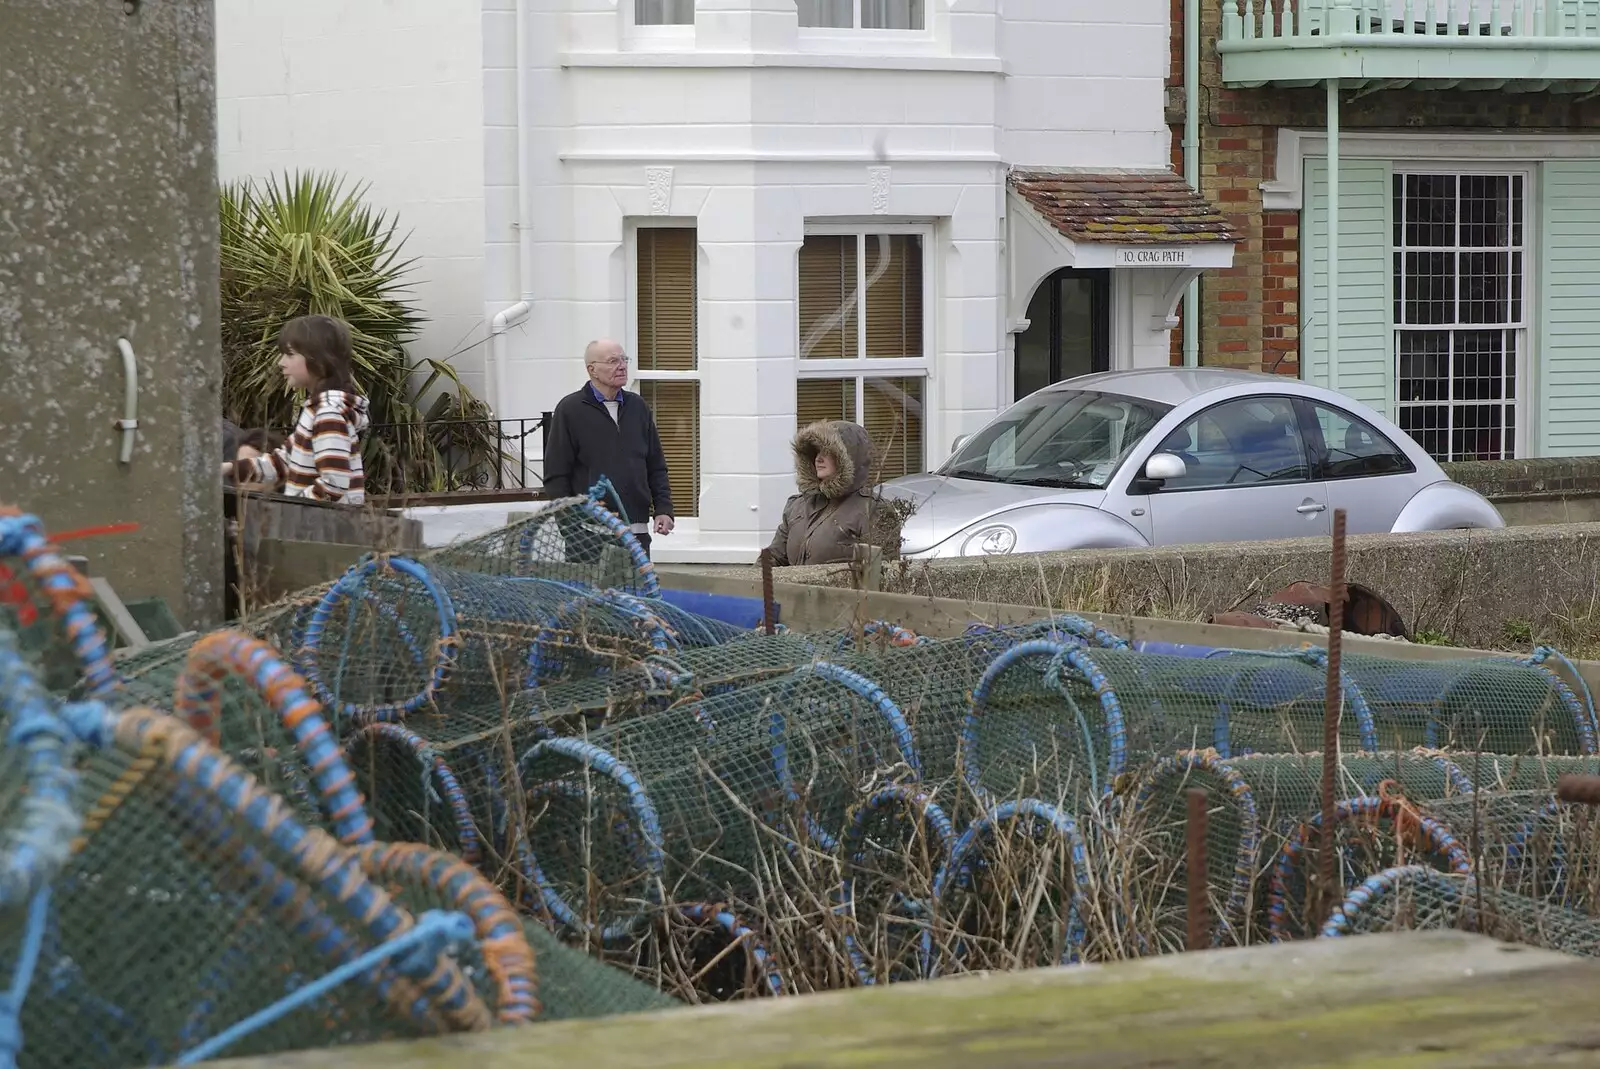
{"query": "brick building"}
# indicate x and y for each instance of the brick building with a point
(1466, 140)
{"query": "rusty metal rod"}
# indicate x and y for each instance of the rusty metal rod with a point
(768, 615)
(1199, 912)
(1584, 790)
(1333, 701)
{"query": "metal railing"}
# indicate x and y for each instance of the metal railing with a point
(455, 456)
(1462, 20)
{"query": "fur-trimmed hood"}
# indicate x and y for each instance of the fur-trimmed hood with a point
(851, 450)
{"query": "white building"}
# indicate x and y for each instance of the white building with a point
(718, 182)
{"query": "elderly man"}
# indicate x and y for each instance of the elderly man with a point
(602, 429)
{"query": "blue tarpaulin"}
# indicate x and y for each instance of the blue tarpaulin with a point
(729, 608)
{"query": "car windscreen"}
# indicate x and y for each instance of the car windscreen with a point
(1058, 438)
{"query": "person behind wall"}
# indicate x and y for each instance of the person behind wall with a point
(322, 457)
(230, 439)
(602, 429)
(832, 513)
(254, 444)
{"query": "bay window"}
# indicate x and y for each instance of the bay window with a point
(863, 339)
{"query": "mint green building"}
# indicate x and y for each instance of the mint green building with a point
(1429, 182)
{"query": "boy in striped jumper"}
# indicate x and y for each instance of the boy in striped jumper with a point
(322, 458)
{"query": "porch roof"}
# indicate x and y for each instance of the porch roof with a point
(1122, 207)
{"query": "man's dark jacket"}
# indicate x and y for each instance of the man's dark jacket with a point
(585, 444)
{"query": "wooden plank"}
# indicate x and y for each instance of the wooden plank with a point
(283, 566)
(127, 627)
(815, 608)
(275, 516)
(1419, 1000)
(459, 497)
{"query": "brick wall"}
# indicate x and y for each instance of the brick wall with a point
(1250, 313)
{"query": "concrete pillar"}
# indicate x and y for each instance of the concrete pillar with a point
(108, 232)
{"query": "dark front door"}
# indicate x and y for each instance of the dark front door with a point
(1069, 330)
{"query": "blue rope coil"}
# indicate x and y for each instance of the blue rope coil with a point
(544, 661)
(963, 857)
(1062, 656)
(47, 736)
(852, 848)
(415, 954)
(23, 536)
(861, 686)
(646, 822)
(1523, 838)
(351, 583)
(1245, 859)
(22, 978)
(1380, 885)
(1583, 712)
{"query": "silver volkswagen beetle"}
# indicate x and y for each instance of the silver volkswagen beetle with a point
(1165, 456)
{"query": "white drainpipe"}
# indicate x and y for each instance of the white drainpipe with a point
(129, 423)
(509, 317)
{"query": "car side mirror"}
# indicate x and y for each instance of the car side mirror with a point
(1163, 466)
(960, 440)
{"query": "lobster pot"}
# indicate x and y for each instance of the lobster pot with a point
(1420, 898)
(1522, 772)
(574, 540)
(1487, 704)
(188, 905)
(395, 637)
(1529, 843)
(702, 798)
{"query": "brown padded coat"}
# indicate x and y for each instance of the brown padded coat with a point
(824, 522)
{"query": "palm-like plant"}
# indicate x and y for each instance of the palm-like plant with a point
(303, 245)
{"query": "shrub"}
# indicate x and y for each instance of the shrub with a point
(303, 244)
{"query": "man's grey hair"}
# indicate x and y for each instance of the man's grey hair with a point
(598, 350)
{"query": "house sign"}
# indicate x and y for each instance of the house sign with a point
(1152, 258)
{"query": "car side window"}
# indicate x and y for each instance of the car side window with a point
(1352, 447)
(1247, 442)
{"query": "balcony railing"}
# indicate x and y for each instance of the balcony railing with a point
(455, 456)
(1541, 45)
(1466, 21)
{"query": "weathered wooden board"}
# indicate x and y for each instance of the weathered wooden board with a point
(299, 519)
(1378, 1002)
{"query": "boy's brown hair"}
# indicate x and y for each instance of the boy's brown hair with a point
(325, 344)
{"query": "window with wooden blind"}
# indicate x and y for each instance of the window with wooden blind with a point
(861, 296)
(863, 350)
(676, 405)
(667, 257)
(893, 408)
(666, 357)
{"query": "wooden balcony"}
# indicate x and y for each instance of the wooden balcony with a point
(1511, 45)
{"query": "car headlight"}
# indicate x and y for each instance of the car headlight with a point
(992, 541)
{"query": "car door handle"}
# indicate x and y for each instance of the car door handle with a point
(1310, 507)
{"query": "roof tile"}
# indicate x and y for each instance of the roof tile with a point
(1126, 207)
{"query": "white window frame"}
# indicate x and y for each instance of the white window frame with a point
(636, 374)
(856, 27)
(663, 36)
(1524, 363)
(862, 368)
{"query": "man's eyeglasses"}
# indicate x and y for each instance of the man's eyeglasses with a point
(614, 361)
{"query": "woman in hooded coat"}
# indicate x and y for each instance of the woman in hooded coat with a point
(832, 513)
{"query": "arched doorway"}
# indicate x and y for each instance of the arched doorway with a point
(1069, 330)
